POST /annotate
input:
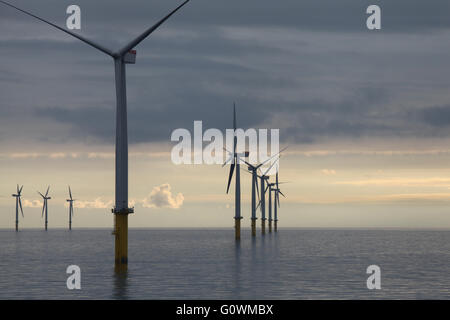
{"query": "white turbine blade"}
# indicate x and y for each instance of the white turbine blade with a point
(271, 166)
(230, 158)
(147, 32)
(89, 42)
(227, 151)
(262, 163)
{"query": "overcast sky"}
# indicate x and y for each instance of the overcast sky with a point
(366, 113)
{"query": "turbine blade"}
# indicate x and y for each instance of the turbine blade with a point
(46, 194)
(41, 194)
(259, 203)
(20, 204)
(227, 150)
(43, 208)
(271, 166)
(70, 193)
(257, 189)
(17, 189)
(149, 31)
(282, 194)
(230, 176)
(248, 164)
(89, 42)
(228, 160)
(20, 191)
(278, 199)
(262, 163)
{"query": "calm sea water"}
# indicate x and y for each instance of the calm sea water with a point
(207, 264)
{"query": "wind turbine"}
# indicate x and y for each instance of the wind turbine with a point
(121, 57)
(70, 201)
(262, 202)
(254, 171)
(235, 160)
(45, 207)
(18, 204)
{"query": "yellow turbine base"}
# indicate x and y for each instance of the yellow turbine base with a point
(121, 242)
(253, 227)
(237, 228)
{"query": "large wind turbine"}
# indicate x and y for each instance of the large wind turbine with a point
(45, 206)
(70, 201)
(254, 170)
(18, 204)
(235, 159)
(121, 57)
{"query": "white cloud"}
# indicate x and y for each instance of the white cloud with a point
(162, 197)
(328, 172)
(32, 204)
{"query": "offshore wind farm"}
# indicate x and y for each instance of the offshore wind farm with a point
(241, 151)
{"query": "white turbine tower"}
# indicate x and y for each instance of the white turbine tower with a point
(235, 160)
(70, 201)
(45, 206)
(18, 205)
(121, 57)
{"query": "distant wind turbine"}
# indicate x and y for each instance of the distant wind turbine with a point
(254, 171)
(121, 57)
(45, 206)
(235, 160)
(262, 202)
(71, 200)
(18, 204)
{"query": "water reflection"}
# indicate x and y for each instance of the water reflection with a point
(237, 270)
(120, 285)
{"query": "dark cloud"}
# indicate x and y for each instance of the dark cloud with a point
(323, 15)
(310, 68)
(436, 116)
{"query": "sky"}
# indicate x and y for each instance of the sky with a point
(365, 114)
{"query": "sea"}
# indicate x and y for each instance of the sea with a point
(210, 264)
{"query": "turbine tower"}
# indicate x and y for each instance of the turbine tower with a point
(45, 207)
(121, 57)
(277, 202)
(18, 204)
(70, 208)
(235, 160)
(270, 187)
